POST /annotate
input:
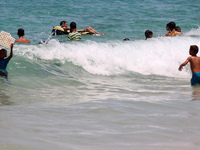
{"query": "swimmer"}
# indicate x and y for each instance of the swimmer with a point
(21, 34)
(126, 39)
(148, 34)
(178, 29)
(74, 35)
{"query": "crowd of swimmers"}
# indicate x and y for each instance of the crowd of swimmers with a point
(171, 27)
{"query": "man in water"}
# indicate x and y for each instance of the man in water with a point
(21, 34)
(64, 25)
(74, 35)
(194, 65)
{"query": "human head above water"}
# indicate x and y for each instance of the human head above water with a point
(20, 32)
(172, 25)
(148, 34)
(178, 29)
(126, 39)
(167, 27)
(72, 25)
(62, 23)
(194, 48)
(3, 53)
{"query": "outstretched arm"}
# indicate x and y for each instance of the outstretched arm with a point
(11, 52)
(183, 64)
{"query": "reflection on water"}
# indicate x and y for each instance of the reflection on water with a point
(4, 99)
(196, 93)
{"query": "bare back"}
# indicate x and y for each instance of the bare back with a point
(195, 64)
(22, 40)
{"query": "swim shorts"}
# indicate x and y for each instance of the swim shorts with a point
(195, 78)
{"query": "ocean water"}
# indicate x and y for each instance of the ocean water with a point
(100, 93)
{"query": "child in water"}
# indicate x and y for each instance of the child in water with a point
(194, 65)
(178, 29)
(148, 34)
(4, 61)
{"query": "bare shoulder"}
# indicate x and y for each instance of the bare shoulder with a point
(17, 40)
(194, 59)
(27, 41)
(23, 40)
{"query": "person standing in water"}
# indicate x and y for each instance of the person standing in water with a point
(4, 60)
(194, 65)
(21, 34)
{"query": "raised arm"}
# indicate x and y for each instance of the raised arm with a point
(183, 64)
(11, 52)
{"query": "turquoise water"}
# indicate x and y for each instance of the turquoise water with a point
(101, 92)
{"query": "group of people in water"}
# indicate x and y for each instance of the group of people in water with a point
(73, 34)
(171, 27)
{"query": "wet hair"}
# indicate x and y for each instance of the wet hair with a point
(20, 32)
(126, 39)
(72, 25)
(62, 23)
(147, 33)
(194, 48)
(2, 50)
(177, 28)
(168, 25)
(172, 25)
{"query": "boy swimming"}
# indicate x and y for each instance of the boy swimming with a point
(194, 65)
(4, 61)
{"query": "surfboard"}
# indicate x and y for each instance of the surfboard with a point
(6, 39)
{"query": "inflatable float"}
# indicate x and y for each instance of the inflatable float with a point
(57, 30)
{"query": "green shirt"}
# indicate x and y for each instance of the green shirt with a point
(74, 36)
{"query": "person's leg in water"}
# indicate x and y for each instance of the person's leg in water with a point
(3, 74)
(92, 31)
